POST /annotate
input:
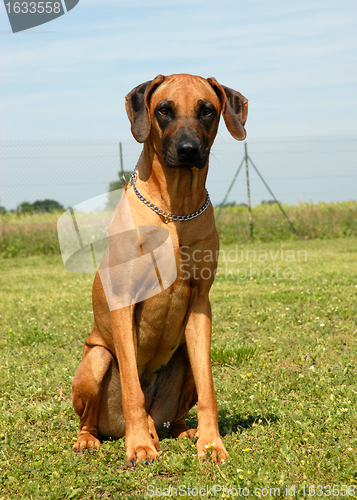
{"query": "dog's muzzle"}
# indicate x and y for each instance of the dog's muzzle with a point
(185, 152)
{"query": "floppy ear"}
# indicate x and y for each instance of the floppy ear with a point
(137, 108)
(234, 109)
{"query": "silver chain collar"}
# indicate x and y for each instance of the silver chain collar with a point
(158, 210)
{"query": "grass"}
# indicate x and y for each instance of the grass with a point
(284, 365)
(23, 235)
(232, 352)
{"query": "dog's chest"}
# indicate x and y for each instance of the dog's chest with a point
(160, 325)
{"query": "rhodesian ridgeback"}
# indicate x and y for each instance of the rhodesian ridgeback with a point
(147, 363)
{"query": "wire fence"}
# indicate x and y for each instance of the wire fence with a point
(309, 169)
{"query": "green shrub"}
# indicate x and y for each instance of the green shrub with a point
(23, 235)
(311, 221)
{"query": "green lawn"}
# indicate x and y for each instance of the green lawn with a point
(284, 362)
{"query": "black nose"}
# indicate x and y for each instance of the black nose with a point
(187, 150)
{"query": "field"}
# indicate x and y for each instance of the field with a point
(284, 363)
(23, 234)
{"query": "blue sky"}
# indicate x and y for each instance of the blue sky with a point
(296, 62)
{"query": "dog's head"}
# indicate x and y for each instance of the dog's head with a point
(180, 113)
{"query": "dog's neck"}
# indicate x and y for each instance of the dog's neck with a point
(180, 191)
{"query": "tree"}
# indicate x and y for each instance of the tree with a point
(46, 206)
(24, 207)
(39, 206)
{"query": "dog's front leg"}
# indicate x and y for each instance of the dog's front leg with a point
(139, 443)
(198, 339)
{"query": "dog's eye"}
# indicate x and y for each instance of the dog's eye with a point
(164, 110)
(207, 111)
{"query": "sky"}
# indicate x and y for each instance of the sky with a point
(66, 80)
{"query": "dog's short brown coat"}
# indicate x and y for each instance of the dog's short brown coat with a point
(149, 363)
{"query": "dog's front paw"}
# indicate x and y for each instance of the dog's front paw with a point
(139, 448)
(86, 441)
(213, 450)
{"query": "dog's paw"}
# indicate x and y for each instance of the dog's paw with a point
(145, 454)
(212, 450)
(86, 442)
(140, 448)
(188, 433)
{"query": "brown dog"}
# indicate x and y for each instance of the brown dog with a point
(148, 363)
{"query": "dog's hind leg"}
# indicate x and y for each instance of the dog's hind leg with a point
(175, 394)
(87, 394)
(188, 399)
(111, 421)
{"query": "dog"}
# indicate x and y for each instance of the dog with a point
(147, 361)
